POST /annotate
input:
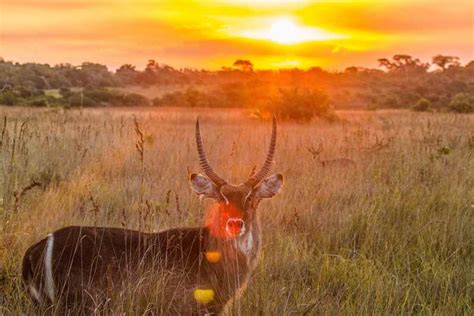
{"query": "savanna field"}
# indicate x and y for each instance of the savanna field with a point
(390, 234)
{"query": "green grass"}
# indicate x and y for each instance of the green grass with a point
(394, 235)
(53, 93)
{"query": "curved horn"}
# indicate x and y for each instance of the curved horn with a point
(203, 161)
(267, 165)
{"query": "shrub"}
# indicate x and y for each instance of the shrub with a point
(373, 106)
(301, 105)
(391, 102)
(102, 95)
(8, 98)
(157, 101)
(65, 92)
(195, 98)
(28, 92)
(422, 105)
(176, 99)
(189, 98)
(462, 103)
(135, 99)
(38, 101)
(77, 100)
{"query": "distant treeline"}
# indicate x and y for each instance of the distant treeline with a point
(401, 82)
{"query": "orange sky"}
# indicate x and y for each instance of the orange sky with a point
(213, 33)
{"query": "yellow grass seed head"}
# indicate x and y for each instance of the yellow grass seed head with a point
(204, 296)
(213, 256)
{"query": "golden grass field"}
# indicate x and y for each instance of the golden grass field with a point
(392, 235)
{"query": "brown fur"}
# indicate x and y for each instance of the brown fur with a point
(85, 258)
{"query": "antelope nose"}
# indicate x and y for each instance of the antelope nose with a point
(235, 226)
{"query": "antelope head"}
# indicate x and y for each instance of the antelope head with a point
(236, 204)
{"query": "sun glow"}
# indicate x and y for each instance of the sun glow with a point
(285, 31)
(211, 34)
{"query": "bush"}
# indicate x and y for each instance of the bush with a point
(102, 95)
(38, 101)
(171, 99)
(190, 98)
(157, 101)
(28, 92)
(135, 99)
(65, 92)
(462, 103)
(302, 106)
(391, 102)
(422, 105)
(195, 98)
(9, 98)
(77, 100)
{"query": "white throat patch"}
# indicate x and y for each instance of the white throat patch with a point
(245, 243)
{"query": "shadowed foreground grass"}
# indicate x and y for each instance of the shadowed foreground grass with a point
(394, 234)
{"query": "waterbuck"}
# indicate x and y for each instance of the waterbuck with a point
(330, 163)
(198, 270)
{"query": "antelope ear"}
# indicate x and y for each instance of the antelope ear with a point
(203, 187)
(269, 186)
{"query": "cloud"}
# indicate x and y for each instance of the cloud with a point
(202, 33)
(391, 17)
(55, 5)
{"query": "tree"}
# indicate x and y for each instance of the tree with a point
(470, 65)
(384, 62)
(244, 65)
(96, 75)
(151, 65)
(127, 74)
(356, 69)
(403, 63)
(127, 68)
(316, 71)
(351, 70)
(445, 62)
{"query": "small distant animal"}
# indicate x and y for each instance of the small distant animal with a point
(81, 267)
(330, 163)
(339, 162)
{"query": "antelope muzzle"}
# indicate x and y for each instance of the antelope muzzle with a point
(235, 227)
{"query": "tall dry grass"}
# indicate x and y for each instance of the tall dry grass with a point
(392, 235)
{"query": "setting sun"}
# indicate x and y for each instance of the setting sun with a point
(285, 31)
